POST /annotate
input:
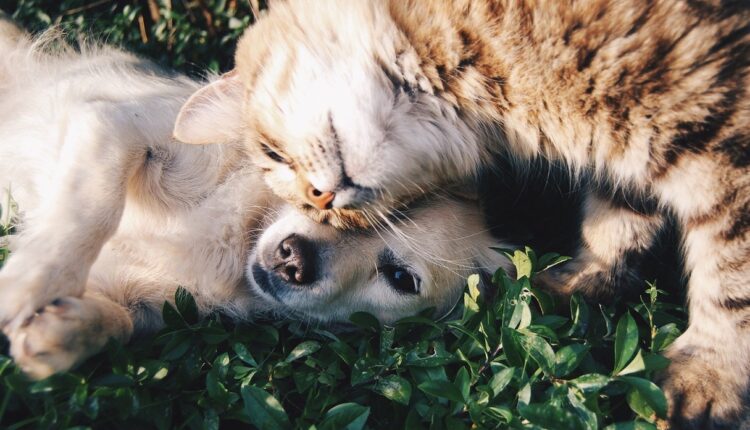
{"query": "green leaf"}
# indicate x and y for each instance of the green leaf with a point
(473, 286)
(581, 314)
(346, 416)
(552, 321)
(591, 383)
(540, 351)
(216, 390)
(645, 361)
(568, 358)
(263, 410)
(243, 354)
(551, 416)
(548, 261)
(500, 380)
(365, 320)
(186, 305)
(395, 388)
(463, 382)
(511, 341)
(344, 351)
(631, 425)
(636, 364)
(364, 370)
(664, 337)
(303, 350)
(176, 347)
(171, 316)
(523, 264)
(442, 389)
(645, 393)
(544, 300)
(587, 416)
(626, 341)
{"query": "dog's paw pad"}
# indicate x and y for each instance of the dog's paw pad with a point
(52, 340)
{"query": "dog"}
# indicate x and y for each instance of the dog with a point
(115, 215)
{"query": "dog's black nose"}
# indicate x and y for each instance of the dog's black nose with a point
(294, 260)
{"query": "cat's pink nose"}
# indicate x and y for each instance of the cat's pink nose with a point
(320, 199)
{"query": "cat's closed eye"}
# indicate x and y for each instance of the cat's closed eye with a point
(272, 154)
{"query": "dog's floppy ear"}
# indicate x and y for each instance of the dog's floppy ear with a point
(213, 114)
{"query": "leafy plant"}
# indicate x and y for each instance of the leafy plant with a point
(509, 362)
(190, 36)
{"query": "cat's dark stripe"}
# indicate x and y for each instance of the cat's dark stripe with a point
(740, 224)
(737, 150)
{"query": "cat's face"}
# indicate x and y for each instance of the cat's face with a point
(315, 272)
(342, 123)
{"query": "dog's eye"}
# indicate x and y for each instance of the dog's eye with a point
(273, 155)
(401, 279)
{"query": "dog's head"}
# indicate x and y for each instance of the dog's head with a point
(317, 273)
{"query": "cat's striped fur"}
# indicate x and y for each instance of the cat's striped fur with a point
(377, 101)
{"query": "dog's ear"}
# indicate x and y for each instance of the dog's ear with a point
(213, 114)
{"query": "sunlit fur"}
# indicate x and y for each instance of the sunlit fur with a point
(115, 216)
(380, 101)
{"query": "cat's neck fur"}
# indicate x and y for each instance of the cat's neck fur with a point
(607, 72)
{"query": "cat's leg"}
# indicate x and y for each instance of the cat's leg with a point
(615, 236)
(80, 209)
(708, 381)
(66, 332)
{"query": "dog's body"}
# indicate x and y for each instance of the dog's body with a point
(115, 215)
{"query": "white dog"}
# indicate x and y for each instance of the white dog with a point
(115, 215)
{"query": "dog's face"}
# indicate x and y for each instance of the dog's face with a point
(315, 272)
(337, 112)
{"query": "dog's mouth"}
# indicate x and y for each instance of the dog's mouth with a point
(267, 283)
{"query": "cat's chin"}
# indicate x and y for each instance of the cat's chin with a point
(345, 219)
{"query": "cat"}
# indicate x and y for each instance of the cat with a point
(362, 106)
(115, 215)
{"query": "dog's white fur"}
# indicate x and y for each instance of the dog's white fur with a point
(115, 215)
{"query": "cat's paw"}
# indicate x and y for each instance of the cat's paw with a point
(58, 337)
(702, 395)
(596, 280)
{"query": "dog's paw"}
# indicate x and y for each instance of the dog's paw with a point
(27, 290)
(57, 338)
(702, 395)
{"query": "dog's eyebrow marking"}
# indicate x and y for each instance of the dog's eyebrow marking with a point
(387, 257)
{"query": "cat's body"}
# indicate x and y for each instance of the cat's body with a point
(361, 106)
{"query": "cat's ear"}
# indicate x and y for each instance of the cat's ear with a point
(213, 114)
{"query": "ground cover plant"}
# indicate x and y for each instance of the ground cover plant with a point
(512, 360)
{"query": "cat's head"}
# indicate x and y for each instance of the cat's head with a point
(331, 99)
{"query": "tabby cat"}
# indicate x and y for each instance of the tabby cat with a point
(357, 107)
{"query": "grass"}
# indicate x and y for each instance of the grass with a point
(512, 361)
(509, 362)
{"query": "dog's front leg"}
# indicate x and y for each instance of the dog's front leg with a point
(78, 211)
